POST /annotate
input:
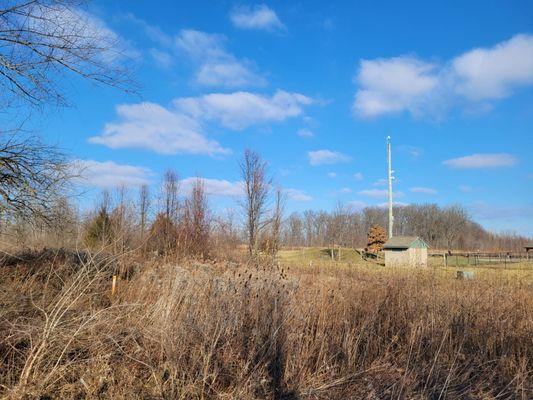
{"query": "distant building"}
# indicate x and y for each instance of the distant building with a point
(528, 247)
(406, 251)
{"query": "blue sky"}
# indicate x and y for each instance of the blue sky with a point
(315, 88)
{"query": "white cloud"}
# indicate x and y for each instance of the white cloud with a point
(179, 129)
(109, 174)
(423, 190)
(322, 157)
(345, 190)
(305, 133)
(151, 126)
(486, 211)
(411, 150)
(258, 17)
(495, 72)
(332, 174)
(465, 188)
(229, 73)
(378, 193)
(63, 27)
(357, 204)
(482, 161)
(394, 203)
(393, 85)
(380, 182)
(215, 187)
(407, 83)
(240, 110)
(297, 195)
(358, 176)
(162, 58)
(215, 65)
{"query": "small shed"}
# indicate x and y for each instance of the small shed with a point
(528, 247)
(409, 251)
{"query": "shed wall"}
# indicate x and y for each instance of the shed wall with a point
(413, 257)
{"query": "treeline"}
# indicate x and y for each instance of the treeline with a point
(448, 227)
(178, 221)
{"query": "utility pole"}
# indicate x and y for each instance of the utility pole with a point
(390, 178)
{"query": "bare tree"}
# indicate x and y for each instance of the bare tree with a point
(33, 176)
(144, 205)
(256, 192)
(170, 200)
(453, 223)
(43, 40)
(275, 223)
(196, 221)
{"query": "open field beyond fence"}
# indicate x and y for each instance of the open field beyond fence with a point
(332, 330)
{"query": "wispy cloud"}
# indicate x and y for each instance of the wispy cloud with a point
(423, 190)
(297, 195)
(162, 58)
(324, 157)
(109, 174)
(486, 211)
(215, 65)
(214, 187)
(475, 161)
(332, 175)
(259, 17)
(357, 204)
(358, 176)
(306, 133)
(407, 83)
(413, 151)
(378, 193)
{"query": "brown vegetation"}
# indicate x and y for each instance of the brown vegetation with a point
(376, 238)
(232, 331)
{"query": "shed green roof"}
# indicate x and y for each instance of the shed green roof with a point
(404, 242)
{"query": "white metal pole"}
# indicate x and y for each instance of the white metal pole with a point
(390, 178)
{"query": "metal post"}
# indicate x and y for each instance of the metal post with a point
(390, 178)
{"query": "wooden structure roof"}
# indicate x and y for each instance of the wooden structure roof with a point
(404, 242)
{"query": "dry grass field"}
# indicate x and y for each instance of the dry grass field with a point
(287, 330)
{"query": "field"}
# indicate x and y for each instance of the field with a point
(302, 327)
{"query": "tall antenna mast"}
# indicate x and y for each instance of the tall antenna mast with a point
(390, 178)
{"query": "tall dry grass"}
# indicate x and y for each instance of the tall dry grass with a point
(260, 332)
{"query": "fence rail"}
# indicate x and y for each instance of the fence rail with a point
(481, 258)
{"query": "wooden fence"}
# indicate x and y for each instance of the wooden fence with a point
(462, 258)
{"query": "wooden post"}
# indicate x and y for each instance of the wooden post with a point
(113, 285)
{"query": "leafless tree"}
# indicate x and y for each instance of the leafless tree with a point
(453, 223)
(32, 177)
(274, 239)
(170, 200)
(144, 205)
(196, 221)
(256, 192)
(41, 41)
